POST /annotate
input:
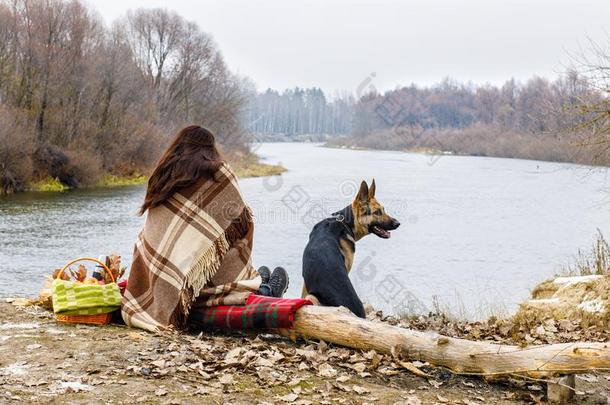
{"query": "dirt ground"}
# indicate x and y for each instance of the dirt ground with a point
(42, 361)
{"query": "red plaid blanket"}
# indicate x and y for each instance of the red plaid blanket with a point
(259, 313)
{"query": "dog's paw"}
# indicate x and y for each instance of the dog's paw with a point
(313, 299)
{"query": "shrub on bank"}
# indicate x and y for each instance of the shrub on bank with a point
(16, 148)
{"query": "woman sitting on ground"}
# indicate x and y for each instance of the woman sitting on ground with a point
(197, 239)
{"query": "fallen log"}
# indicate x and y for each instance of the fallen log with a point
(461, 356)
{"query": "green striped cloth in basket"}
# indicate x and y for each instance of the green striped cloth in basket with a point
(72, 298)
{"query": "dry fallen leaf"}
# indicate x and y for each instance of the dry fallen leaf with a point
(388, 371)
(294, 381)
(262, 362)
(289, 397)
(37, 383)
(276, 356)
(136, 336)
(360, 390)
(226, 379)
(21, 302)
(342, 387)
(308, 354)
(159, 363)
(441, 398)
(410, 400)
(411, 367)
(326, 370)
(358, 367)
(233, 353)
(202, 391)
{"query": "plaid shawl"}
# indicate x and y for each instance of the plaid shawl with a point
(258, 313)
(195, 246)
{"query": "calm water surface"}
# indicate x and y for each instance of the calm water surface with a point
(476, 234)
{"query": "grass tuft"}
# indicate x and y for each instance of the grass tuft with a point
(111, 180)
(259, 170)
(48, 184)
(596, 261)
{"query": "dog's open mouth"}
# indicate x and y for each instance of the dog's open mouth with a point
(382, 233)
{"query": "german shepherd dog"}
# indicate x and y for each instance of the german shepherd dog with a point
(329, 255)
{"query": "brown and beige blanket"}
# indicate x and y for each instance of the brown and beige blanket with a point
(195, 246)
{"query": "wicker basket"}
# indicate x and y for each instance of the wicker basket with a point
(97, 319)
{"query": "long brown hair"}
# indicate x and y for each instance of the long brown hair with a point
(191, 156)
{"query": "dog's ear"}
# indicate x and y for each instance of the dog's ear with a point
(372, 190)
(363, 193)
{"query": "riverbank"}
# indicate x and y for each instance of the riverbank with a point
(44, 361)
(251, 169)
(480, 140)
(116, 364)
(109, 180)
(347, 145)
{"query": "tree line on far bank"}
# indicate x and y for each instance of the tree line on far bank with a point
(299, 111)
(538, 119)
(559, 120)
(79, 99)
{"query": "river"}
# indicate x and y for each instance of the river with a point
(477, 233)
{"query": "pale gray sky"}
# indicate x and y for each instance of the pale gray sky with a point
(336, 44)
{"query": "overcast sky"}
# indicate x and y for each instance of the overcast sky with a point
(337, 44)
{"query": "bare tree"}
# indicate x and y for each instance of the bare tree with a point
(594, 66)
(154, 36)
(104, 100)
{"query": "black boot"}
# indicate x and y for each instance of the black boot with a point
(265, 274)
(278, 282)
(264, 288)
